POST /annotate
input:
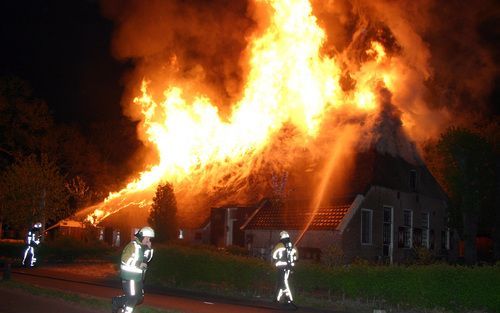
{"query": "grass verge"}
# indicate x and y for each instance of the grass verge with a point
(439, 287)
(87, 301)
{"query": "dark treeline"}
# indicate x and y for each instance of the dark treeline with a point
(466, 163)
(49, 170)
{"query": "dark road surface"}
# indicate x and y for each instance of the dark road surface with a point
(96, 289)
(17, 301)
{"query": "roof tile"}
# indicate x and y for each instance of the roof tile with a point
(270, 217)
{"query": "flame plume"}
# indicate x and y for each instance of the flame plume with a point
(290, 90)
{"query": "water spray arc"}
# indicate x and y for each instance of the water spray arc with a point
(334, 165)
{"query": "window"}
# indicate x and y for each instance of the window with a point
(425, 223)
(407, 231)
(387, 232)
(445, 239)
(413, 180)
(307, 253)
(366, 226)
(417, 237)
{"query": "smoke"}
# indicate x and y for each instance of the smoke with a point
(200, 45)
(444, 46)
(437, 48)
(196, 44)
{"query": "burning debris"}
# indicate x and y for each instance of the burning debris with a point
(232, 92)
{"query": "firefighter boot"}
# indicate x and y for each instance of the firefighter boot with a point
(291, 305)
(114, 305)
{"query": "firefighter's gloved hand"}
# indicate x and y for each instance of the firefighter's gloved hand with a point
(143, 266)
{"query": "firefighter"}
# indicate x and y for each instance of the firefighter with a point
(284, 256)
(32, 241)
(134, 260)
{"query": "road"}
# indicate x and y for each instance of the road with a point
(186, 304)
(17, 301)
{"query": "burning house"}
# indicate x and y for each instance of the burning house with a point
(67, 228)
(336, 94)
(226, 223)
(390, 208)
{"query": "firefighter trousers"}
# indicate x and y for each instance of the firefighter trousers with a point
(282, 285)
(133, 296)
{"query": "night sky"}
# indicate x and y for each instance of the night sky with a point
(61, 48)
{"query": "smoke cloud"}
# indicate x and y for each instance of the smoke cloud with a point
(446, 68)
(200, 45)
(445, 44)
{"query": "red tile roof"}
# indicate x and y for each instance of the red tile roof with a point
(269, 217)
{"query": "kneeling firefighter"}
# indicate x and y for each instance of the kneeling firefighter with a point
(134, 259)
(284, 256)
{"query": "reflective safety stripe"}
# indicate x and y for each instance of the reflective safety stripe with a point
(129, 268)
(148, 254)
(132, 288)
(135, 256)
(281, 263)
(280, 293)
(288, 291)
(129, 309)
(277, 254)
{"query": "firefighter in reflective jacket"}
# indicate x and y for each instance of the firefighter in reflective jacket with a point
(284, 257)
(134, 259)
(32, 240)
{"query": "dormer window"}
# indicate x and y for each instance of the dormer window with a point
(413, 180)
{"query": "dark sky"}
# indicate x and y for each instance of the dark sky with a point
(62, 48)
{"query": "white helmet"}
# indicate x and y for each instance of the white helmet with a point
(284, 235)
(37, 225)
(147, 232)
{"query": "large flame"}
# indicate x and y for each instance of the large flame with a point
(290, 83)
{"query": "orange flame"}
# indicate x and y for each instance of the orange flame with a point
(289, 82)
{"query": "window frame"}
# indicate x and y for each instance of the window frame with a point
(370, 227)
(408, 230)
(413, 180)
(389, 223)
(425, 228)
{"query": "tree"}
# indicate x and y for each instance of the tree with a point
(464, 163)
(489, 129)
(163, 215)
(79, 193)
(26, 126)
(32, 190)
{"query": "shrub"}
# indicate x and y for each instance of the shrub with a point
(437, 286)
(332, 256)
(69, 249)
(236, 250)
(423, 256)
